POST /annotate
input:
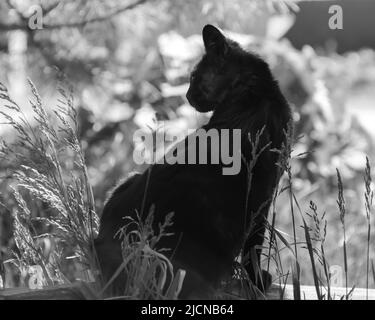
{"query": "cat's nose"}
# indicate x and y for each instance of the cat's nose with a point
(188, 95)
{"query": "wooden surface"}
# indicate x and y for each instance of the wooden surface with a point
(77, 291)
(309, 293)
(82, 291)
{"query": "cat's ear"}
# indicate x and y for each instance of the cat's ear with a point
(214, 41)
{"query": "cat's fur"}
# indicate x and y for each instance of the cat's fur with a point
(209, 207)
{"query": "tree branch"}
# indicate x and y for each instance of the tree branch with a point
(75, 24)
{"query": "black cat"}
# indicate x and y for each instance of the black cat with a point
(210, 221)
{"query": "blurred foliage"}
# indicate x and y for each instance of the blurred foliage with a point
(134, 67)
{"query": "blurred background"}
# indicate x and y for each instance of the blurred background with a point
(129, 64)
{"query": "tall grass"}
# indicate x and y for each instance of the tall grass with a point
(369, 195)
(55, 203)
(149, 273)
(48, 166)
(250, 290)
(314, 234)
(342, 212)
(319, 236)
(284, 164)
(40, 169)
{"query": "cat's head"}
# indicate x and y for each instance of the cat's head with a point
(225, 72)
